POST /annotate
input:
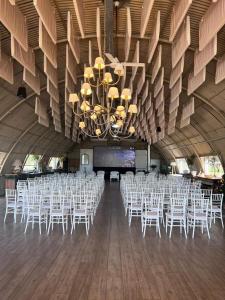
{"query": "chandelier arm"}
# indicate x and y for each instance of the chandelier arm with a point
(117, 81)
(78, 115)
(93, 136)
(126, 137)
(113, 133)
(93, 85)
(106, 131)
(100, 124)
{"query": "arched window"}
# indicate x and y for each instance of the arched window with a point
(212, 166)
(182, 165)
(32, 163)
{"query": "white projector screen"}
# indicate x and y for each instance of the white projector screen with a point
(114, 157)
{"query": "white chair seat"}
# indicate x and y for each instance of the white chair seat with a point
(136, 207)
(12, 205)
(59, 213)
(198, 216)
(175, 216)
(215, 208)
(80, 212)
(149, 214)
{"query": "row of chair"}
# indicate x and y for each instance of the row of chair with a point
(184, 206)
(45, 203)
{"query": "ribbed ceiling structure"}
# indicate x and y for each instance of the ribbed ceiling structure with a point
(20, 132)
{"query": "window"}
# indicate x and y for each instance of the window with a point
(55, 163)
(32, 163)
(182, 166)
(212, 166)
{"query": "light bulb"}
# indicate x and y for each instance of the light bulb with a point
(98, 131)
(119, 123)
(126, 94)
(86, 89)
(132, 108)
(85, 106)
(120, 108)
(112, 119)
(73, 98)
(131, 129)
(88, 72)
(119, 70)
(108, 77)
(113, 93)
(93, 116)
(99, 63)
(97, 109)
(123, 114)
(82, 125)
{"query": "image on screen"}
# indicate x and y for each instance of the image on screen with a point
(114, 157)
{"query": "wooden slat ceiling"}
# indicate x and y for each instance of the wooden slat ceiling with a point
(206, 96)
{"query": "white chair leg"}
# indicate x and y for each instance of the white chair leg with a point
(72, 226)
(144, 228)
(211, 217)
(63, 225)
(130, 217)
(221, 218)
(193, 232)
(166, 224)
(185, 231)
(86, 225)
(207, 227)
(26, 225)
(49, 225)
(159, 229)
(6, 212)
(142, 225)
(40, 225)
(171, 227)
(46, 223)
(14, 215)
(22, 216)
(66, 222)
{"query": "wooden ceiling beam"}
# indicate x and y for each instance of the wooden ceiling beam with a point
(109, 22)
(79, 10)
(98, 31)
(145, 15)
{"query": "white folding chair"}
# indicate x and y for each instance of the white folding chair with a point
(35, 212)
(198, 215)
(58, 213)
(135, 206)
(216, 208)
(11, 203)
(80, 211)
(114, 175)
(176, 216)
(151, 212)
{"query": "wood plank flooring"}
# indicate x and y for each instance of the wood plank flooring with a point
(113, 262)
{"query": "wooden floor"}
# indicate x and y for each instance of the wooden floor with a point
(113, 262)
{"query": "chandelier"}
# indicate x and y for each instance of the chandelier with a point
(110, 114)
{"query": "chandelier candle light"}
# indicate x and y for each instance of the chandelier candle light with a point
(109, 115)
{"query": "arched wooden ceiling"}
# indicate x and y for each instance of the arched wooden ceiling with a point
(20, 132)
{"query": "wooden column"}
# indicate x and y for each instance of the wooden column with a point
(109, 47)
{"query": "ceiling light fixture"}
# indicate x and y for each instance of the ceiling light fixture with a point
(112, 114)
